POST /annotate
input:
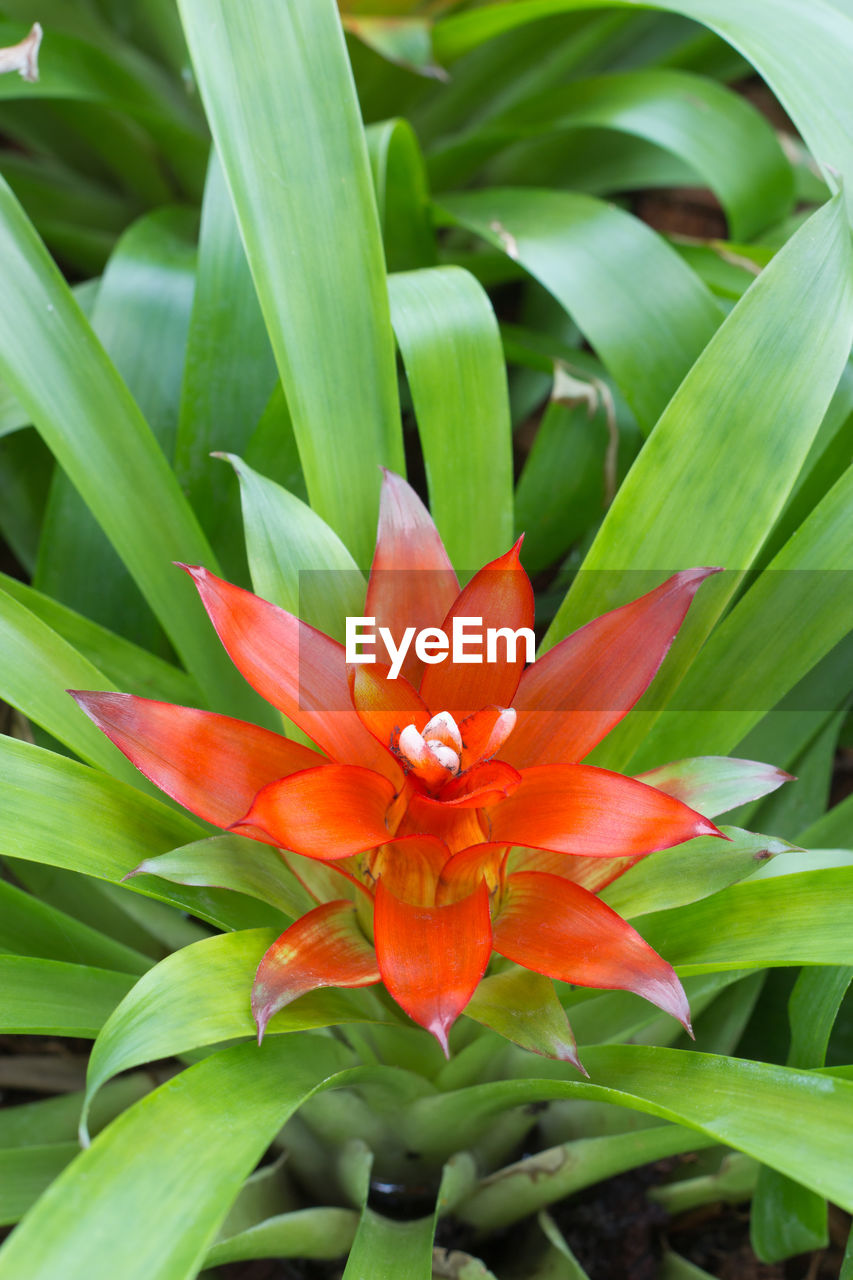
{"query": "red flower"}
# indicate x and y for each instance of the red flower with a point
(451, 801)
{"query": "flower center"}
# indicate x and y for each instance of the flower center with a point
(434, 754)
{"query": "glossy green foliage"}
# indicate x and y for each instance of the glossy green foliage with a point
(475, 285)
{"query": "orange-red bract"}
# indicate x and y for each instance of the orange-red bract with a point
(420, 787)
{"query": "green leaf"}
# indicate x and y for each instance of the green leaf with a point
(56, 1119)
(559, 1262)
(50, 997)
(305, 204)
(233, 862)
(452, 354)
(57, 813)
(618, 1017)
(614, 276)
(399, 178)
(201, 996)
(85, 413)
(25, 474)
(718, 135)
(141, 316)
(745, 1105)
(296, 560)
(32, 928)
(26, 1172)
(145, 1201)
(679, 506)
(834, 829)
(716, 784)
(76, 216)
(787, 1218)
(674, 1267)
(792, 50)
(129, 666)
(739, 927)
(691, 871)
(733, 1181)
(38, 668)
(540, 1180)
(522, 1006)
(405, 41)
(728, 680)
(113, 75)
(790, 813)
(586, 440)
(385, 1249)
(229, 370)
(812, 1009)
(306, 1233)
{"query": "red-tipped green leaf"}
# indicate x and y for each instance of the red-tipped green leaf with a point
(412, 582)
(385, 706)
(548, 924)
(576, 808)
(501, 595)
(579, 690)
(325, 948)
(431, 958)
(210, 764)
(715, 784)
(326, 813)
(297, 669)
(523, 1007)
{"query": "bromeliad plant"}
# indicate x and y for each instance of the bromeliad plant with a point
(491, 851)
(430, 779)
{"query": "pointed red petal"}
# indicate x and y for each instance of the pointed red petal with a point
(385, 706)
(297, 669)
(485, 784)
(576, 808)
(715, 784)
(325, 948)
(577, 692)
(431, 958)
(548, 924)
(210, 764)
(484, 733)
(410, 867)
(326, 813)
(502, 596)
(412, 582)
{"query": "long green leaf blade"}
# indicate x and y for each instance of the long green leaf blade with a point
(145, 1201)
(201, 996)
(452, 354)
(780, 38)
(644, 311)
(283, 112)
(746, 1105)
(60, 373)
(694, 495)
